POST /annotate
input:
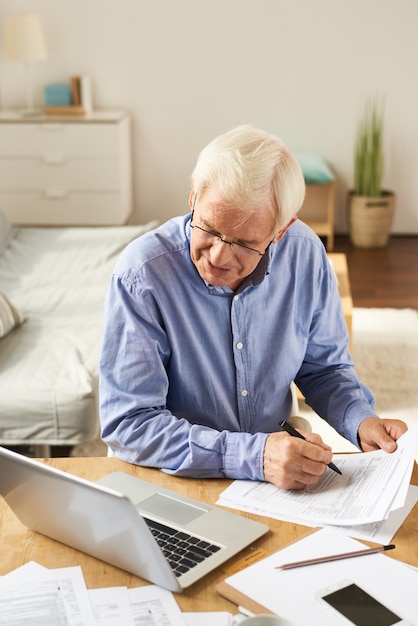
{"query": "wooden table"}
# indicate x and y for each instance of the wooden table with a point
(20, 545)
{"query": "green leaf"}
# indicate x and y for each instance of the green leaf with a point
(368, 152)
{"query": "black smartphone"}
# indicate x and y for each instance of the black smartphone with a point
(357, 606)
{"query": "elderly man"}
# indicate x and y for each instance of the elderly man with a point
(210, 318)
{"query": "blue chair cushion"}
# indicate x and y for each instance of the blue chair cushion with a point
(315, 170)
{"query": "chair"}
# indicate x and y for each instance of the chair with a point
(319, 206)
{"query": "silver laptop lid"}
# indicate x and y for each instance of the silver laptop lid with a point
(91, 518)
(101, 521)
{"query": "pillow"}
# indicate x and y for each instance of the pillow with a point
(5, 231)
(10, 316)
(315, 170)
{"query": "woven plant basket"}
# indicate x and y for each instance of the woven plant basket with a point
(370, 219)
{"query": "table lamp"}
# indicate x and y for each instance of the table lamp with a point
(24, 41)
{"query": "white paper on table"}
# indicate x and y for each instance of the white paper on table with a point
(291, 593)
(111, 606)
(154, 606)
(383, 532)
(380, 532)
(51, 595)
(400, 495)
(365, 493)
(24, 572)
(211, 618)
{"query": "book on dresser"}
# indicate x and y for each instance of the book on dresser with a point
(81, 92)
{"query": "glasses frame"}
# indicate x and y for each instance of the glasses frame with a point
(238, 248)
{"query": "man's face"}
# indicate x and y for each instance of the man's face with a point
(216, 261)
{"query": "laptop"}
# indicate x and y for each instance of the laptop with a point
(155, 533)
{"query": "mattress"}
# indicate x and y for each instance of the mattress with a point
(58, 279)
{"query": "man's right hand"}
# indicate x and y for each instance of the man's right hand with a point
(293, 463)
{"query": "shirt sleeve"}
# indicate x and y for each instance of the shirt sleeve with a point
(135, 421)
(327, 377)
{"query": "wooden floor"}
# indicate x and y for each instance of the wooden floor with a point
(384, 277)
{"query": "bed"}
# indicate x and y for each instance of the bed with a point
(53, 282)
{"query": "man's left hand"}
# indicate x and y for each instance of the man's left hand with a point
(375, 433)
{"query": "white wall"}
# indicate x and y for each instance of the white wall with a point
(188, 70)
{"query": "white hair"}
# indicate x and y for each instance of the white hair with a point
(249, 167)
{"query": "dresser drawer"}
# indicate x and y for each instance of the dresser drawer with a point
(67, 173)
(64, 208)
(51, 139)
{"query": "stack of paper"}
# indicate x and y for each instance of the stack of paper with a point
(33, 594)
(371, 487)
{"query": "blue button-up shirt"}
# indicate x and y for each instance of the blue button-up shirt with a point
(193, 377)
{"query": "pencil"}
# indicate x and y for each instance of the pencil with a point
(335, 557)
(295, 433)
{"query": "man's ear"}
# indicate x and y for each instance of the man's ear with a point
(281, 232)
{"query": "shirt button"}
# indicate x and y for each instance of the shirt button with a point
(240, 345)
(244, 393)
(236, 298)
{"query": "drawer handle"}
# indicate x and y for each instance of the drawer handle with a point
(51, 127)
(56, 193)
(54, 159)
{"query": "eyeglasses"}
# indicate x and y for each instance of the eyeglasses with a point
(238, 248)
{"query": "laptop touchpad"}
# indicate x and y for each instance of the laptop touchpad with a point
(171, 509)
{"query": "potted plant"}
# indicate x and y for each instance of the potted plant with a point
(370, 207)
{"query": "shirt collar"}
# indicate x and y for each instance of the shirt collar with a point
(258, 274)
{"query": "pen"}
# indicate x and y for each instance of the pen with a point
(294, 433)
(336, 557)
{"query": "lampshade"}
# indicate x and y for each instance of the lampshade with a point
(23, 38)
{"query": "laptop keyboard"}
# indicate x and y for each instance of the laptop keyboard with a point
(183, 551)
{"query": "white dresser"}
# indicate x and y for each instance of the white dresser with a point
(66, 171)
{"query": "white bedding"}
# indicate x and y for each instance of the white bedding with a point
(58, 278)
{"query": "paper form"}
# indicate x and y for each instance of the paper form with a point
(155, 606)
(141, 606)
(291, 593)
(372, 484)
(39, 595)
(50, 598)
(383, 531)
(111, 606)
(24, 572)
(379, 532)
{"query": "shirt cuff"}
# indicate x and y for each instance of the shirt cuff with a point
(353, 420)
(244, 456)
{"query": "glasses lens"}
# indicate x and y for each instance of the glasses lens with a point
(243, 251)
(205, 235)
